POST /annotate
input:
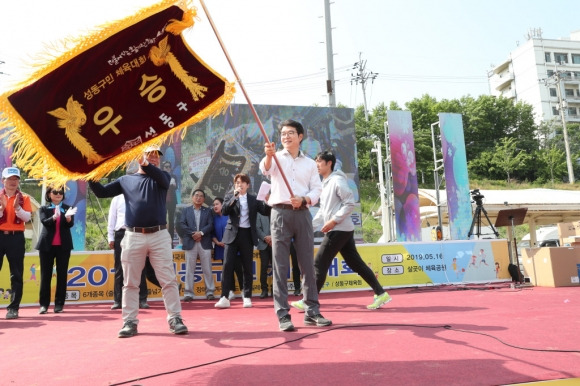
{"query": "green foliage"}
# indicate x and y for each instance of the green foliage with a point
(96, 226)
(370, 202)
(487, 121)
(508, 157)
(553, 164)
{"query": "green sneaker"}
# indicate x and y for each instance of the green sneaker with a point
(379, 301)
(299, 305)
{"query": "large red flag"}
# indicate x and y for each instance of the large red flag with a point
(132, 84)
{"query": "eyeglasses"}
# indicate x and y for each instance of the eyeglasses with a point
(57, 192)
(288, 133)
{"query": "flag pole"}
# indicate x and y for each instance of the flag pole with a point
(254, 112)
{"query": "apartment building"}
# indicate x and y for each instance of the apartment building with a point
(532, 71)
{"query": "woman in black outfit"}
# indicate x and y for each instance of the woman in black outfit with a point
(54, 244)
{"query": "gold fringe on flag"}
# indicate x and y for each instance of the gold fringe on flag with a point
(80, 154)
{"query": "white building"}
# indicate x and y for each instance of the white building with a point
(524, 73)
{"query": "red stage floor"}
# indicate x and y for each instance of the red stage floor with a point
(481, 335)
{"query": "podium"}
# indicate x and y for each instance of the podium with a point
(512, 217)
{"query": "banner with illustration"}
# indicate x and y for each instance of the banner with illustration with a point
(91, 275)
(216, 149)
(404, 167)
(456, 178)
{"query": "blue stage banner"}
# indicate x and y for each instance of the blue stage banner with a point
(76, 195)
(456, 178)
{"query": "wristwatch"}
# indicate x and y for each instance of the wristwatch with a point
(304, 203)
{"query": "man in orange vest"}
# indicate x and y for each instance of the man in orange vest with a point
(15, 211)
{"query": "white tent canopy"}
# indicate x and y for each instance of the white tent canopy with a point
(545, 206)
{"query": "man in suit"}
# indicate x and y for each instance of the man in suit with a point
(240, 236)
(195, 227)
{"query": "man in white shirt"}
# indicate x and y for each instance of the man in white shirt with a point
(291, 220)
(115, 233)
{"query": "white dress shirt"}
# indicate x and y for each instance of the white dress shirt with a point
(116, 219)
(244, 211)
(301, 173)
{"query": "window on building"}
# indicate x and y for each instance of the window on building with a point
(572, 111)
(553, 92)
(569, 92)
(576, 58)
(547, 57)
(555, 111)
(550, 73)
(560, 57)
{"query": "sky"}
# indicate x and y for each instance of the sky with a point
(443, 48)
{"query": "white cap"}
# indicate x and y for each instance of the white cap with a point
(9, 172)
(151, 148)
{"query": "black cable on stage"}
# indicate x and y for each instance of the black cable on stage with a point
(335, 328)
(467, 287)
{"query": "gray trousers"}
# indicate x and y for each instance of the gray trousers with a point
(285, 225)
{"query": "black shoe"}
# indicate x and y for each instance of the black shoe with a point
(129, 329)
(264, 294)
(12, 314)
(144, 305)
(188, 298)
(43, 310)
(297, 292)
(286, 323)
(116, 306)
(316, 320)
(210, 297)
(57, 309)
(177, 327)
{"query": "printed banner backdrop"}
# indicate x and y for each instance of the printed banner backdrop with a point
(99, 105)
(91, 275)
(456, 178)
(405, 186)
(218, 148)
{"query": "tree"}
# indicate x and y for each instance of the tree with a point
(486, 120)
(367, 132)
(553, 164)
(508, 157)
